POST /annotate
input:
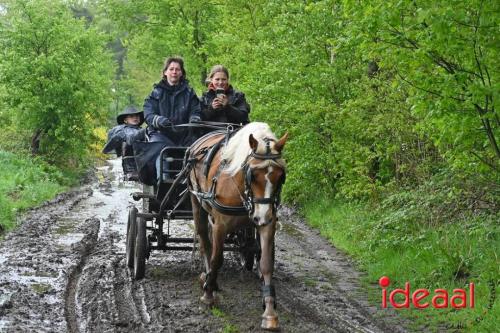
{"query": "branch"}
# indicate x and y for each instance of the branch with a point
(428, 91)
(488, 129)
(488, 163)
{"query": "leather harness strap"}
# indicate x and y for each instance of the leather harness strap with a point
(247, 206)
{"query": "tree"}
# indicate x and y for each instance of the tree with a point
(446, 53)
(57, 76)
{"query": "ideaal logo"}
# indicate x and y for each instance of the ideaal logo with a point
(461, 298)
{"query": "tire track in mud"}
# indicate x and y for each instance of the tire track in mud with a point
(79, 245)
(36, 261)
(105, 298)
(85, 246)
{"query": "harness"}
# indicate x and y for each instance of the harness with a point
(248, 200)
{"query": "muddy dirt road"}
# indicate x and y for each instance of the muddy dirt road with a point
(63, 270)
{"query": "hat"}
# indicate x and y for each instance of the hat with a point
(129, 110)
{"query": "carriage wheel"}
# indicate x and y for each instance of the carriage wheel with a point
(131, 234)
(140, 249)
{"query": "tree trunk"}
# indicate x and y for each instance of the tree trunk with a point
(35, 142)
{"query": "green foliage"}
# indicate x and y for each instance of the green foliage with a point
(397, 240)
(374, 94)
(26, 182)
(445, 54)
(56, 75)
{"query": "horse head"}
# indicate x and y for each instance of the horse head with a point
(265, 174)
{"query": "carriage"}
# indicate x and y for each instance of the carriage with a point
(168, 202)
(192, 187)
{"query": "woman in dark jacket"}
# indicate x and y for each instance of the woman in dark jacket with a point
(222, 103)
(172, 102)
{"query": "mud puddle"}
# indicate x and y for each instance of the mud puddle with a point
(63, 270)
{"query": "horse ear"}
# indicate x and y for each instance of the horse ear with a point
(281, 142)
(253, 143)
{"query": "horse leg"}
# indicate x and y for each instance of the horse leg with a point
(216, 260)
(270, 316)
(200, 217)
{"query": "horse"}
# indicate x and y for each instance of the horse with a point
(239, 188)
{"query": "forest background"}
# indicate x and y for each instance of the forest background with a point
(391, 106)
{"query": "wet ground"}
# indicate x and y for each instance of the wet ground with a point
(63, 270)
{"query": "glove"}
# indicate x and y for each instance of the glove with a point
(163, 122)
(194, 119)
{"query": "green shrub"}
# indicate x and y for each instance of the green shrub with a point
(26, 182)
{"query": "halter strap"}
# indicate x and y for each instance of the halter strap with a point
(264, 156)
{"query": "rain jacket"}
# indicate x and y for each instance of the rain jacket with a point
(236, 111)
(177, 103)
(120, 134)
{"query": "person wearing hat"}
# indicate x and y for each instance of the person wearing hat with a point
(121, 137)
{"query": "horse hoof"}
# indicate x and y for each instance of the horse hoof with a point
(270, 323)
(209, 301)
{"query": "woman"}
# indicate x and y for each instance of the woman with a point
(172, 102)
(221, 103)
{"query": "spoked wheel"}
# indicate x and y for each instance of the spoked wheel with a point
(140, 249)
(131, 235)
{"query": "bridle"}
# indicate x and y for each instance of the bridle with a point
(249, 199)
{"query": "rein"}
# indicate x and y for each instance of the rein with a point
(248, 199)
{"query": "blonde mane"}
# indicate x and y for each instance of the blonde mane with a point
(238, 147)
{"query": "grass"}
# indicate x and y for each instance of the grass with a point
(26, 182)
(446, 254)
(228, 327)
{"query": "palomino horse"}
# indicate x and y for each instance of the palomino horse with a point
(239, 188)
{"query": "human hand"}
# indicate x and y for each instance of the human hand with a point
(164, 122)
(223, 99)
(216, 103)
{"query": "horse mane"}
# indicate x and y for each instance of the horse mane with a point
(238, 147)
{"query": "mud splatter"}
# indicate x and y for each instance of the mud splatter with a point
(63, 270)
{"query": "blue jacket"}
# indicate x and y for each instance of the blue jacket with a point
(177, 103)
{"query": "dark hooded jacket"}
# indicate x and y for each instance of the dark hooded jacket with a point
(124, 132)
(179, 104)
(120, 134)
(236, 111)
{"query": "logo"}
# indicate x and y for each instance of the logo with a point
(423, 298)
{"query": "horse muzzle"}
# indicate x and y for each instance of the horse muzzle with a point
(260, 222)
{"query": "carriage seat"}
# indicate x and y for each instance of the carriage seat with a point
(171, 163)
